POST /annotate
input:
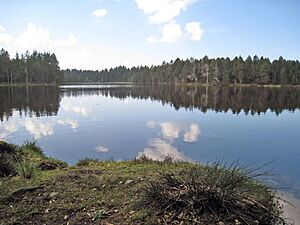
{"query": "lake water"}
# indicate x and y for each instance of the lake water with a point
(254, 125)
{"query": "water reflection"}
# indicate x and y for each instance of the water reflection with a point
(159, 149)
(45, 101)
(38, 101)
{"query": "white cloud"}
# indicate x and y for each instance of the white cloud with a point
(71, 52)
(2, 29)
(163, 11)
(159, 149)
(194, 31)
(101, 149)
(193, 133)
(170, 33)
(73, 123)
(99, 13)
(39, 129)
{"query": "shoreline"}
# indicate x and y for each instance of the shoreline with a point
(110, 192)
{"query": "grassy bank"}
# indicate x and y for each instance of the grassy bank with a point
(40, 190)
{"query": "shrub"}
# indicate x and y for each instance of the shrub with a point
(25, 168)
(86, 161)
(210, 195)
(52, 164)
(32, 146)
(7, 159)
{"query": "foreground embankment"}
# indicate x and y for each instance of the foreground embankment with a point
(36, 189)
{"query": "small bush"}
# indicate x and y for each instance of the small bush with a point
(32, 146)
(52, 164)
(142, 158)
(7, 159)
(210, 195)
(86, 161)
(25, 168)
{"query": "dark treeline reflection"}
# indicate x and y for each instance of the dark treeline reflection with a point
(44, 101)
(39, 101)
(218, 98)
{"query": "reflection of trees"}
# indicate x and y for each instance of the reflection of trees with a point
(39, 101)
(221, 99)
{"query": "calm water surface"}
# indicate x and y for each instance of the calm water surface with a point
(253, 125)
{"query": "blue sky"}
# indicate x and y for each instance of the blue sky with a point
(97, 34)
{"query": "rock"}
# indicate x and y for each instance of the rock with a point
(53, 194)
(221, 223)
(66, 217)
(128, 182)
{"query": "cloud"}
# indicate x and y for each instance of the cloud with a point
(193, 133)
(101, 149)
(2, 29)
(170, 33)
(99, 13)
(39, 129)
(71, 52)
(194, 31)
(160, 148)
(73, 123)
(163, 11)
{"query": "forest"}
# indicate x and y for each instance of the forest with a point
(42, 68)
(252, 70)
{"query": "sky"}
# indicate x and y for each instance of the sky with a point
(98, 34)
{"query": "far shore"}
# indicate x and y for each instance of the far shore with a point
(133, 83)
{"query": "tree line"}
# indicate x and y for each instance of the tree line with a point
(44, 68)
(252, 70)
(29, 68)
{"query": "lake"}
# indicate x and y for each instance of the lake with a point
(254, 125)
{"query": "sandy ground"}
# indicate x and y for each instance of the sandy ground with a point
(292, 212)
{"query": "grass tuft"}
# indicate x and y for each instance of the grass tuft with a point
(25, 168)
(86, 161)
(210, 195)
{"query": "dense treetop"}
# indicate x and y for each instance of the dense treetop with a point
(44, 68)
(252, 70)
(29, 68)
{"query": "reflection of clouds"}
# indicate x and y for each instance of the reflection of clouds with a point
(3, 136)
(79, 109)
(39, 129)
(73, 123)
(101, 149)
(160, 148)
(193, 133)
(7, 129)
(10, 126)
(169, 129)
(151, 124)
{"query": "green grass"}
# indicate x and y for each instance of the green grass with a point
(109, 192)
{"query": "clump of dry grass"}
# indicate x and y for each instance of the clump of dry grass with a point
(210, 195)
